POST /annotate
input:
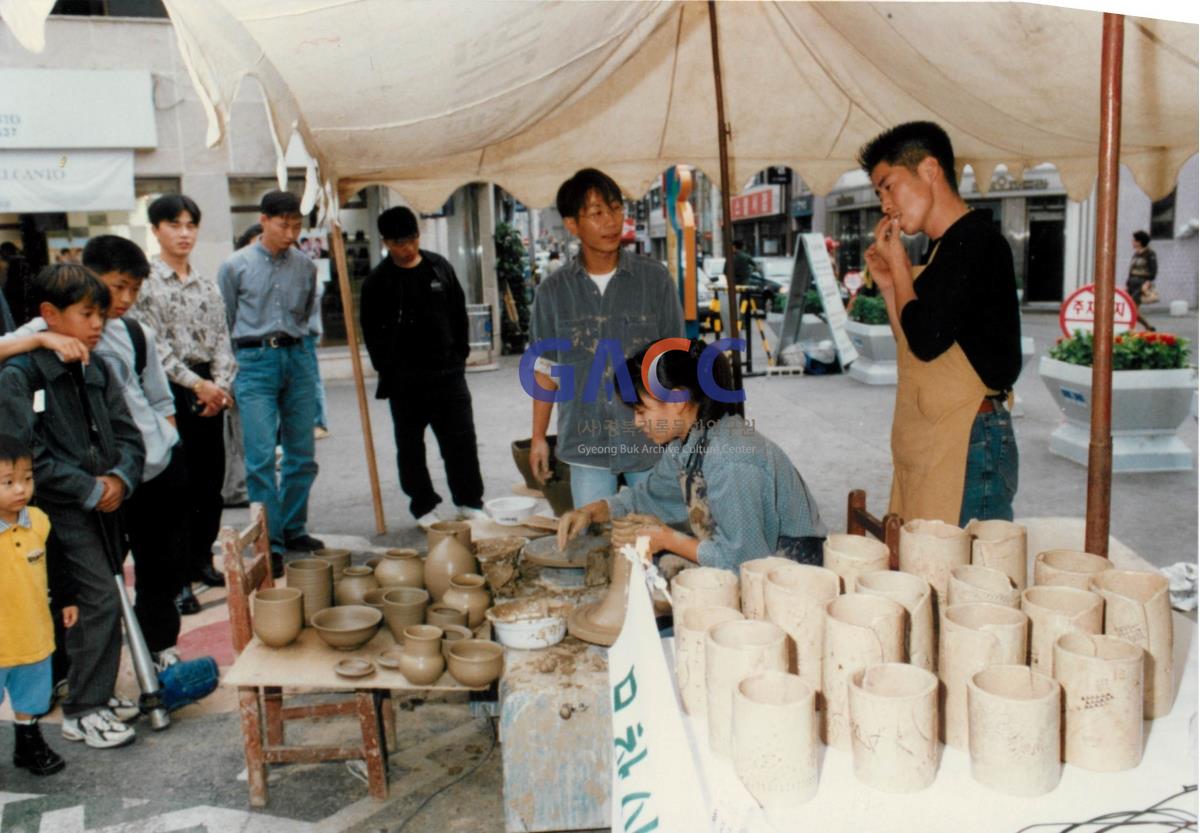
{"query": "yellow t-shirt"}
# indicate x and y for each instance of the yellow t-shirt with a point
(26, 629)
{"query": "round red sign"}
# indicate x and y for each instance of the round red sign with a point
(1078, 312)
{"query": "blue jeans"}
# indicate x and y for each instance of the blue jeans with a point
(277, 397)
(310, 344)
(991, 480)
(589, 484)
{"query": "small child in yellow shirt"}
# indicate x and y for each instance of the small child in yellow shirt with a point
(26, 630)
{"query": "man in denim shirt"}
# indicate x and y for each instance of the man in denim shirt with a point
(604, 295)
(269, 290)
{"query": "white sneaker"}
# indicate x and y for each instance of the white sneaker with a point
(165, 658)
(470, 513)
(428, 519)
(99, 730)
(122, 710)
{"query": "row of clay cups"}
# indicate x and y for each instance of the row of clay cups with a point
(405, 606)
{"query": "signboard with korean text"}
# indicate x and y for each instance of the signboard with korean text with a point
(1078, 312)
(760, 201)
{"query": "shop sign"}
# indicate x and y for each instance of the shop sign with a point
(762, 201)
(56, 108)
(779, 175)
(1078, 312)
(71, 180)
(802, 206)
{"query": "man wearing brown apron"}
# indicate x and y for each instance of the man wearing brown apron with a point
(958, 333)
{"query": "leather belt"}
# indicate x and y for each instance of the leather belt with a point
(274, 340)
(991, 404)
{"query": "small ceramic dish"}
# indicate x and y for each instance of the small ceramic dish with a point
(390, 659)
(354, 668)
(510, 511)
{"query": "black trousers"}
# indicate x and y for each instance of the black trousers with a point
(156, 519)
(204, 458)
(444, 404)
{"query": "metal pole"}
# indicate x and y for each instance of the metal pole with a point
(726, 190)
(1099, 491)
(338, 247)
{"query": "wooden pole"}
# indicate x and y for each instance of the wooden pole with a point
(339, 256)
(726, 191)
(1099, 491)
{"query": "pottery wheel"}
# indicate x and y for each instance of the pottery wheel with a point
(581, 626)
(544, 552)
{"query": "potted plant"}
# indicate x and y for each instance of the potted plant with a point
(872, 337)
(1152, 390)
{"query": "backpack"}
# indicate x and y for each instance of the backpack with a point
(138, 336)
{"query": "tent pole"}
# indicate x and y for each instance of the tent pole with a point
(339, 255)
(1099, 491)
(726, 190)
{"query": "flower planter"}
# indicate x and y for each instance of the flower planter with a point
(1027, 351)
(813, 328)
(876, 346)
(1148, 406)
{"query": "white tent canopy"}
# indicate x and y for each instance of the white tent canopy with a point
(425, 96)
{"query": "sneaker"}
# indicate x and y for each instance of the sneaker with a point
(428, 519)
(98, 730)
(122, 709)
(304, 543)
(471, 513)
(320, 433)
(165, 658)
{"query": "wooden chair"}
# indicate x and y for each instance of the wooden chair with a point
(261, 708)
(861, 522)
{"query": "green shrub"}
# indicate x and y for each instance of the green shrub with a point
(1131, 351)
(869, 309)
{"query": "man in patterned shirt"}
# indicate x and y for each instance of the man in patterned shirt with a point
(186, 311)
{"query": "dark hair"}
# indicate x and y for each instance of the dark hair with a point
(678, 369)
(1142, 237)
(907, 144)
(249, 234)
(12, 449)
(64, 284)
(279, 204)
(170, 206)
(739, 245)
(109, 253)
(8, 249)
(398, 223)
(572, 194)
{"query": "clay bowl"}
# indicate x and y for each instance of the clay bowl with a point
(278, 615)
(452, 634)
(403, 606)
(476, 662)
(347, 627)
(443, 615)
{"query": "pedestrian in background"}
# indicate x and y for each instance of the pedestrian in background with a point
(1143, 269)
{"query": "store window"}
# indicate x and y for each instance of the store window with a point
(1162, 218)
(110, 8)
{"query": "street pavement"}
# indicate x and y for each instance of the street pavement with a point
(447, 774)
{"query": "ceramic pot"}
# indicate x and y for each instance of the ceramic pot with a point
(1056, 610)
(702, 587)
(452, 634)
(339, 560)
(972, 583)
(422, 661)
(476, 662)
(689, 653)
(448, 558)
(852, 555)
(314, 578)
(894, 726)
(1101, 679)
(278, 615)
(795, 596)
(347, 627)
(1068, 568)
(973, 637)
(468, 591)
(356, 582)
(1014, 716)
(403, 606)
(1001, 545)
(931, 549)
(734, 651)
(915, 595)
(753, 576)
(441, 530)
(374, 598)
(1138, 609)
(442, 615)
(401, 568)
(775, 740)
(860, 630)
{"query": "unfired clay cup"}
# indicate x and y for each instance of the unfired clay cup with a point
(278, 615)
(775, 741)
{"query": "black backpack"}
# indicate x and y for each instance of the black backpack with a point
(138, 336)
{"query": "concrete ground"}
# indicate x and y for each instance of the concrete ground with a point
(447, 774)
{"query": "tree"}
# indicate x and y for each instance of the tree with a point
(510, 277)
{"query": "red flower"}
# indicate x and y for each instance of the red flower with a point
(1149, 338)
(1167, 339)
(1119, 339)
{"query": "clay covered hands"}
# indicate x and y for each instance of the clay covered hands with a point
(572, 525)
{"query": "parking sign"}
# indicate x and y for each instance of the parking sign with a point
(1078, 312)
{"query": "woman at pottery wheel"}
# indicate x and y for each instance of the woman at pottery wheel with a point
(735, 490)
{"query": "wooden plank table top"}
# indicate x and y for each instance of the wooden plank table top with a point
(308, 663)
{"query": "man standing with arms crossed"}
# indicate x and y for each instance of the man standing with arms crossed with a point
(958, 333)
(269, 289)
(603, 293)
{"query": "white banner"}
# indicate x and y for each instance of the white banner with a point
(45, 108)
(66, 180)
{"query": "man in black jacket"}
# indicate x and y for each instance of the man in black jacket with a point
(414, 321)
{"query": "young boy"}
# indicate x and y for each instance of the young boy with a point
(87, 458)
(26, 630)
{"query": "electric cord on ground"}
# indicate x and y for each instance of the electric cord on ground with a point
(461, 777)
(1170, 819)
